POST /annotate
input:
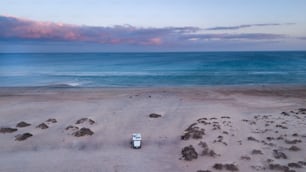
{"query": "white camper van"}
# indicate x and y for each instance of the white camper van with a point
(136, 141)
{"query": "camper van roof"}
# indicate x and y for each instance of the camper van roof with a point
(136, 136)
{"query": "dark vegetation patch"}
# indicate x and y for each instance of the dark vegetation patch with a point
(229, 167)
(279, 155)
(52, 120)
(294, 165)
(83, 132)
(245, 158)
(302, 163)
(24, 136)
(279, 167)
(218, 166)
(22, 124)
(295, 141)
(206, 151)
(294, 148)
(225, 117)
(285, 113)
(155, 115)
(256, 152)
(252, 139)
(83, 120)
(71, 127)
(42, 126)
(281, 126)
(295, 134)
(8, 130)
(194, 132)
(189, 153)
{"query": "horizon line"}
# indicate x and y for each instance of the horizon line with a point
(89, 52)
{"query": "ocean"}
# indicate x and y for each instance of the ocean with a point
(151, 69)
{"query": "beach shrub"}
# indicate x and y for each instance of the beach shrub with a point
(22, 124)
(8, 130)
(189, 153)
(24, 136)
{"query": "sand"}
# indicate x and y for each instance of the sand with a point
(89, 129)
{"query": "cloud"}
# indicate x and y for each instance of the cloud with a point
(16, 29)
(302, 37)
(247, 26)
(21, 29)
(242, 36)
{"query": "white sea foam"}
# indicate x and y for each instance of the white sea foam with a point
(268, 73)
(146, 73)
(66, 84)
(105, 74)
(13, 74)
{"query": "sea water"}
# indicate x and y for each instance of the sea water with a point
(151, 69)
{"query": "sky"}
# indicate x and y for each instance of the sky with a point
(146, 25)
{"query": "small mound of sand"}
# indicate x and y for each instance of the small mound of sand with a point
(189, 153)
(52, 120)
(42, 126)
(24, 136)
(22, 124)
(85, 120)
(83, 132)
(155, 115)
(8, 130)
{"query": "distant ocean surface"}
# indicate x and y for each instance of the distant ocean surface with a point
(151, 69)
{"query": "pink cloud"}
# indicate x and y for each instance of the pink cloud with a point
(12, 28)
(27, 29)
(156, 41)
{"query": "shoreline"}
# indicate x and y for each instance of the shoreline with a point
(257, 90)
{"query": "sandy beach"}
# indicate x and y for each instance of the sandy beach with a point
(258, 128)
